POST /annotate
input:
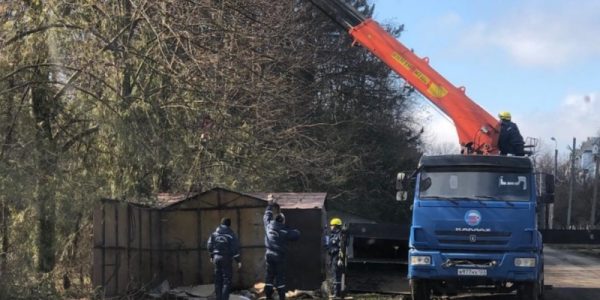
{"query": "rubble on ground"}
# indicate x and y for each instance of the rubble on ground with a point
(207, 292)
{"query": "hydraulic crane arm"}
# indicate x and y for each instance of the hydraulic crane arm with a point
(477, 130)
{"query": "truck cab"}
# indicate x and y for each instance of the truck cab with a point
(474, 226)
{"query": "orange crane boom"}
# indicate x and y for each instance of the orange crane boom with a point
(477, 129)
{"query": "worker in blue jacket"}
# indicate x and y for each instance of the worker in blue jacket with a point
(224, 247)
(277, 234)
(510, 140)
(335, 249)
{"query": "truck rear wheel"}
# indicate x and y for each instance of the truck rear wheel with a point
(420, 290)
(528, 291)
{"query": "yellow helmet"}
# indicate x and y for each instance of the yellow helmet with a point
(504, 116)
(336, 221)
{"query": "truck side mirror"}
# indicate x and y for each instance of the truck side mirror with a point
(405, 185)
(401, 196)
(400, 181)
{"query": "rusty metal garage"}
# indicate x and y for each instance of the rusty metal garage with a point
(137, 245)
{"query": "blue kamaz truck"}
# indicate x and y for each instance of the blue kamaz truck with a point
(474, 225)
(474, 222)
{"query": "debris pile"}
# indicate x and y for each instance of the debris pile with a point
(207, 292)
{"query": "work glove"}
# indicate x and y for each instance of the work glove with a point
(340, 263)
(239, 265)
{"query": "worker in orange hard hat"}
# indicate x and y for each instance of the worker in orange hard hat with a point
(336, 249)
(510, 140)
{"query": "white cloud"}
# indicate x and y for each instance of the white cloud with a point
(577, 116)
(450, 19)
(540, 34)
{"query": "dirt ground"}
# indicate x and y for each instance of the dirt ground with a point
(591, 250)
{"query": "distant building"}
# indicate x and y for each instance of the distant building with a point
(589, 149)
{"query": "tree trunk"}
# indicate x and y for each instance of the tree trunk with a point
(46, 159)
(4, 250)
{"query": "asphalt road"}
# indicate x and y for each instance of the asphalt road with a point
(572, 275)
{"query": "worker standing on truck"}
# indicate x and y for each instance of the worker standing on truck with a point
(510, 140)
(224, 247)
(277, 234)
(335, 249)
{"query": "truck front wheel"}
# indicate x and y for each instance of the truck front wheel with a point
(528, 291)
(420, 290)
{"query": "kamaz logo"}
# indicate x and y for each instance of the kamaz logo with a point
(473, 229)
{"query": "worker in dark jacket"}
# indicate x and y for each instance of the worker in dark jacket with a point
(224, 247)
(277, 234)
(335, 249)
(510, 140)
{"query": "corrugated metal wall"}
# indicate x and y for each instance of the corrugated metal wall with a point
(126, 247)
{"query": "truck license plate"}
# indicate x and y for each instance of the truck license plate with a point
(472, 272)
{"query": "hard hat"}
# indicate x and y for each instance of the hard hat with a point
(504, 116)
(335, 221)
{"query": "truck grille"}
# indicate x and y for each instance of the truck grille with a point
(467, 233)
(494, 238)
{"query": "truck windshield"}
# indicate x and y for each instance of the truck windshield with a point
(475, 186)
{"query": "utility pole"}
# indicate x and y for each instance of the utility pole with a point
(596, 179)
(550, 206)
(572, 184)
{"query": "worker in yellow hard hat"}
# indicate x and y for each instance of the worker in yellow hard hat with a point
(504, 116)
(335, 222)
(510, 140)
(336, 249)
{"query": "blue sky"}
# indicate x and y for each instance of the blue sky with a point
(538, 59)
